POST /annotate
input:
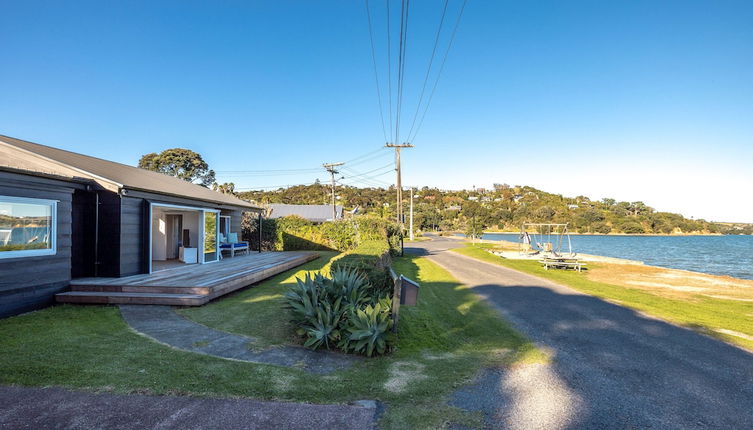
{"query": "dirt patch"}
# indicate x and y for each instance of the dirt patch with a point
(403, 374)
(673, 283)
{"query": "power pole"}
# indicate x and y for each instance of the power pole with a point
(398, 182)
(411, 213)
(330, 167)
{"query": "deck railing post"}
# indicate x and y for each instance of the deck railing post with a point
(260, 232)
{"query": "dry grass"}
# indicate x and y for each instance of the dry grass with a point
(673, 283)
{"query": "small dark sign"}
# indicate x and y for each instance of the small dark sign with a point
(408, 292)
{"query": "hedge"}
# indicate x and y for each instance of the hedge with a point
(372, 258)
(294, 233)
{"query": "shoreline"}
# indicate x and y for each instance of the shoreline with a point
(512, 248)
(631, 234)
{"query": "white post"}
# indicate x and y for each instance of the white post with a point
(411, 213)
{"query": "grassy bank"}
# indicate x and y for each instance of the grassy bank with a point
(695, 311)
(442, 343)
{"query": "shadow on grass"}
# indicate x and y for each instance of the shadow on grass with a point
(624, 368)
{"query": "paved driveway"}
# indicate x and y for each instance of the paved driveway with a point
(611, 367)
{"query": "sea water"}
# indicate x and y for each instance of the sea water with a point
(717, 255)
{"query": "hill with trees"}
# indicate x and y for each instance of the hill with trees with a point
(503, 208)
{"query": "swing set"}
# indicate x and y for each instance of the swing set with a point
(546, 239)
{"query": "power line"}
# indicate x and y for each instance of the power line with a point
(364, 155)
(441, 68)
(275, 187)
(371, 181)
(354, 174)
(265, 172)
(428, 69)
(370, 159)
(376, 74)
(389, 63)
(283, 172)
(404, 11)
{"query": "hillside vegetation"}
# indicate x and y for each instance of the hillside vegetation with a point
(503, 208)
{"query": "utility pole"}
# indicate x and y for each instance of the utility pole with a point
(411, 213)
(330, 167)
(398, 182)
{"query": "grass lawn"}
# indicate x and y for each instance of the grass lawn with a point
(442, 343)
(701, 313)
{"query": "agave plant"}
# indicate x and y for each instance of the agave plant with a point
(303, 299)
(351, 285)
(339, 311)
(369, 330)
(324, 329)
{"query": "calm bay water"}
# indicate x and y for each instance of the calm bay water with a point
(718, 255)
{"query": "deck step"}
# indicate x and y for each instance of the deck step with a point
(192, 285)
(156, 289)
(103, 297)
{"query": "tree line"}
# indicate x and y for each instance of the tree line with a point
(502, 208)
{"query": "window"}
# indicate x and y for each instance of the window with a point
(27, 227)
(210, 236)
(225, 226)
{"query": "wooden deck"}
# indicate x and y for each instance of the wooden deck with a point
(189, 285)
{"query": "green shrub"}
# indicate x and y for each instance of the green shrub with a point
(372, 259)
(340, 312)
(293, 233)
(602, 227)
(632, 227)
(368, 330)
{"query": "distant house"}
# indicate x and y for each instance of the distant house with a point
(65, 215)
(573, 206)
(454, 208)
(472, 198)
(313, 213)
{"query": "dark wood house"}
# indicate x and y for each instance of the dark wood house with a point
(65, 215)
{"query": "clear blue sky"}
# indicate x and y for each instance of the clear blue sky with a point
(649, 100)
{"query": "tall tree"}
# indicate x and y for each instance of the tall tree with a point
(225, 188)
(181, 163)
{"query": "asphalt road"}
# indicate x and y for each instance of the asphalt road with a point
(57, 408)
(611, 368)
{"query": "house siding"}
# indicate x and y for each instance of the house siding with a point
(108, 242)
(28, 283)
(132, 238)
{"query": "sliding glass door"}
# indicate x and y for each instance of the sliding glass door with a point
(211, 233)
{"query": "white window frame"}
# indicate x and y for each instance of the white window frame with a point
(52, 250)
(202, 222)
(200, 245)
(227, 224)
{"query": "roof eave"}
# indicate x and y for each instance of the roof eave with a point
(248, 206)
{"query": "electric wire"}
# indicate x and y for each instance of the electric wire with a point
(275, 187)
(376, 74)
(404, 13)
(428, 69)
(354, 174)
(439, 74)
(389, 63)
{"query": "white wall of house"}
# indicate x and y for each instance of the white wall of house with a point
(159, 236)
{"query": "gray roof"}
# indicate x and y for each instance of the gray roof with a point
(33, 157)
(315, 213)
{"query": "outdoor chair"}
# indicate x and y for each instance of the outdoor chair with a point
(232, 245)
